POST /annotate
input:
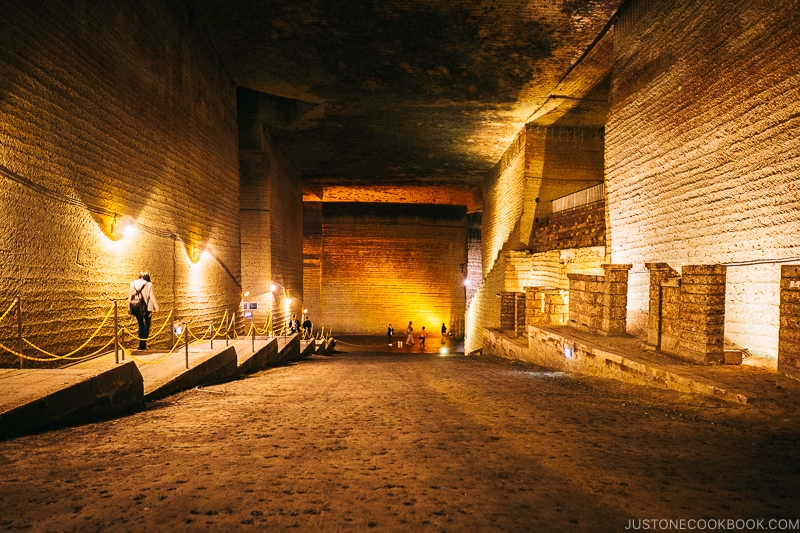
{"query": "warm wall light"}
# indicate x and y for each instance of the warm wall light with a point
(273, 287)
(196, 254)
(467, 282)
(245, 294)
(122, 227)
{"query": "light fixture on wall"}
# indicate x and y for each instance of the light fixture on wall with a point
(122, 227)
(467, 282)
(196, 253)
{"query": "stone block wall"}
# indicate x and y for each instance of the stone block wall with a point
(271, 215)
(599, 303)
(512, 312)
(502, 193)
(659, 272)
(703, 104)
(113, 109)
(789, 340)
(702, 313)
(312, 260)
(546, 306)
(578, 228)
(391, 263)
(586, 295)
(687, 314)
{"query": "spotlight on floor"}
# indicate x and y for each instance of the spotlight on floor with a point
(443, 351)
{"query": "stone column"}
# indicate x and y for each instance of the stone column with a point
(556, 308)
(789, 331)
(521, 328)
(659, 272)
(507, 310)
(615, 299)
(702, 313)
(534, 306)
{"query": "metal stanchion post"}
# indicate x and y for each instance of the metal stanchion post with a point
(186, 342)
(211, 335)
(116, 333)
(233, 321)
(253, 328)
(172, 327)
(19, 331)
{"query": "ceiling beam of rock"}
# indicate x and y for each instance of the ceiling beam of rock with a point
(401, 92)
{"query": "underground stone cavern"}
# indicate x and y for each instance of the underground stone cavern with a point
(594, 186)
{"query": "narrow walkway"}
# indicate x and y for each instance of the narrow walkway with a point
(624, 358)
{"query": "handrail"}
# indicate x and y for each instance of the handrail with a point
(580, 198)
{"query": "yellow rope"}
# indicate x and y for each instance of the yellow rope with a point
(79, 348)
(153, 336)
(219, 329)
(13, 304)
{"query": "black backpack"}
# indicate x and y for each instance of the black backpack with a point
(139, 308)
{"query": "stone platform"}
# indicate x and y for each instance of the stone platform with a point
(34, 399)
(623, 358)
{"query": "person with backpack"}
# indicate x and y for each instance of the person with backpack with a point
(141, 304)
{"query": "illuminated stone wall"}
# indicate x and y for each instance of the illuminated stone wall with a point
(503, 198)
(113, 108)
(391, 263)
(582, 227)
(560, 161)
(312, 259)
(701, 161)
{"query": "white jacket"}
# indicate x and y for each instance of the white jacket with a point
(147, 293)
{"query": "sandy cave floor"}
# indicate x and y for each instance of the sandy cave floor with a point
(408, 441)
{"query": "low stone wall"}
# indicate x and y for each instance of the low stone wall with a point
(687, 313)
(582, 227)
(561, 352)
(546, 306)
(789, 336)
(599, 303)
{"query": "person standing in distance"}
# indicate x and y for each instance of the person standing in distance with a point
(422, 336)
(142, 304)
(390, 334)
(444, 332)
(410, 334)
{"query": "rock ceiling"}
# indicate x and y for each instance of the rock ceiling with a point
(401, 93)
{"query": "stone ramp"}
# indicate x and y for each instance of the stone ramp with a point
(256, 354)
(624, 359)
(36, 399)
(166, 374)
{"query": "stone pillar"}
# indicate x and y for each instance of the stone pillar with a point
(556, 307)
(507, 311)
(521, 326)
(659, 272)
(789, 331)
(702, 313)
(615, 299)
(534, 306)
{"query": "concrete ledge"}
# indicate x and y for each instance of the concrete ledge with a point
(34, 400)
(561, 352)
(259, 360)
(291, 350)
(307, 348)
(214, 367)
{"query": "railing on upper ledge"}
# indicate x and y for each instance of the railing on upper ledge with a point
(579, 198)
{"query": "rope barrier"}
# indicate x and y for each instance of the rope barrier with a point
(219, 329)
(79, 348)
(70, 356)
(12, 306)
(153, 336)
